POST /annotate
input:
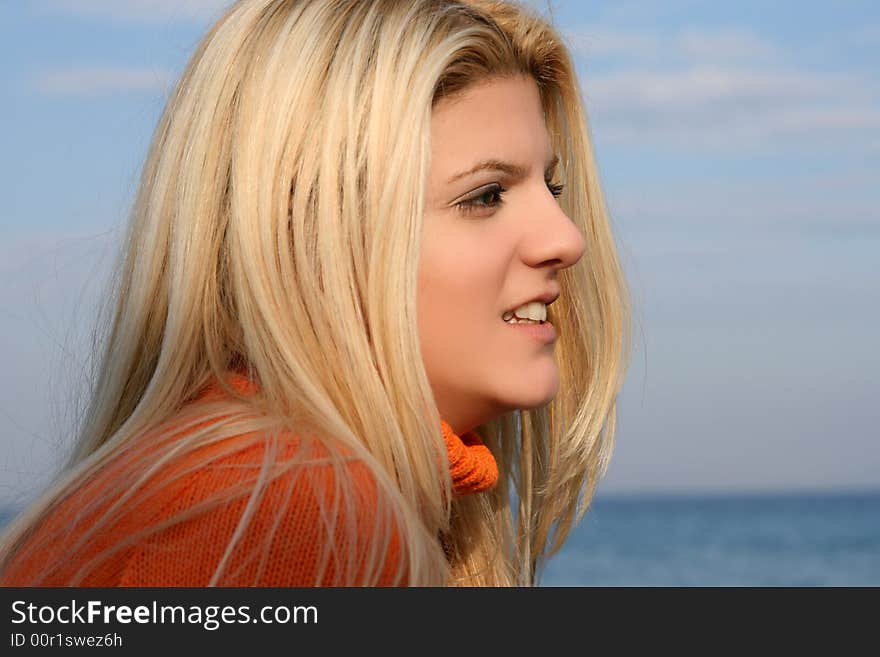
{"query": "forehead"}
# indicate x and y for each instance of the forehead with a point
(501, 118)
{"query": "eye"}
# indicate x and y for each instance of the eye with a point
(555, 188)
(486, 197)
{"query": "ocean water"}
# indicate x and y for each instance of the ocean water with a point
(830, 539)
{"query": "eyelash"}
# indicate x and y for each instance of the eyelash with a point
(472, 204)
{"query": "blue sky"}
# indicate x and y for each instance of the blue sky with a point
(739, 145)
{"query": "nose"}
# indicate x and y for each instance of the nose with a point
(553, 238)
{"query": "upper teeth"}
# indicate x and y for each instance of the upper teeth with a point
(534, 310)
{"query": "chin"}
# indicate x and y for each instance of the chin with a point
(535, 396)
(533, 404)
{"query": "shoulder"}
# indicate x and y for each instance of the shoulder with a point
(270, 508)
(218, 498)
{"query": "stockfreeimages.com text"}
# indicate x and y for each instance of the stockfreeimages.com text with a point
(211, 617)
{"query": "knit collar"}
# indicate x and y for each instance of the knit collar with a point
(472, 466)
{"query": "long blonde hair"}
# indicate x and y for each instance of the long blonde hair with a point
(276, 230)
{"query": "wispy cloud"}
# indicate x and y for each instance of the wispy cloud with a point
(727, 44)
(603, 42)
(867, 35)
(720, 87)
(730, 107)
(701, 87)
(698, 46)
(100, 80)
(139, 10)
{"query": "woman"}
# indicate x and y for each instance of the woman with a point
(316, 373)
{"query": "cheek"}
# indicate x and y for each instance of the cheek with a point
(454, 299)
(461, 279)
(456, 286)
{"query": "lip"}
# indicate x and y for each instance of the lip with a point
(544, 332)
(547, 297)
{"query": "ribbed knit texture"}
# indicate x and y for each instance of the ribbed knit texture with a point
(471, 464)
(299, 514)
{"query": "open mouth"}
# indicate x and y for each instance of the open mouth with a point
(517, 320)
(533, 313)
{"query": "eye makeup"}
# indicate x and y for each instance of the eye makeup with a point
(490, 196)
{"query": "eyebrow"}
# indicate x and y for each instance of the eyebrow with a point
(514, 170)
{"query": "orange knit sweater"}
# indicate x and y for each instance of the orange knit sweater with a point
(281, 546)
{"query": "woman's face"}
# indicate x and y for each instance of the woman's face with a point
(494, 238)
